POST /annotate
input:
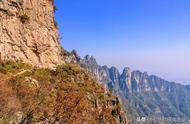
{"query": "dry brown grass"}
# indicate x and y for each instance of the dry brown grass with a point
(67, 95)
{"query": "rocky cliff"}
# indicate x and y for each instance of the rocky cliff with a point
(28, 32)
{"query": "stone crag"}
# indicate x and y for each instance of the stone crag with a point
(28, 32)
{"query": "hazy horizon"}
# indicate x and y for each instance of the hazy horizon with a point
(150, 36)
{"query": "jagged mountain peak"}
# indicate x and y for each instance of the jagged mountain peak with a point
(113, 68)
(87, 57)
(105, 67)
(74, 52)
(90, 59)
(132, 81)
(127, 69)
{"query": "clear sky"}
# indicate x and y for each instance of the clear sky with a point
(148, 35)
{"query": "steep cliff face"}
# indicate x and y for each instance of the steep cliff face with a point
(28, 32)
(125, 80)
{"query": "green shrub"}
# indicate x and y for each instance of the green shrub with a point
(24, 18)
(10, 66)
(55, 8)
(3, 70)
(42, 74)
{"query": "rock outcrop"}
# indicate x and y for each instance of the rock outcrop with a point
(125, 80)
(28, 32)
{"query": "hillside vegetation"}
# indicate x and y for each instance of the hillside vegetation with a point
(64, 95)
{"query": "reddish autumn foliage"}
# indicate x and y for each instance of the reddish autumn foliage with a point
(66, 95)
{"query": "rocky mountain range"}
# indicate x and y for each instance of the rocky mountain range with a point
(143, 95)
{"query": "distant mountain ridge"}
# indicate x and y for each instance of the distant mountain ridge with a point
(142, 95)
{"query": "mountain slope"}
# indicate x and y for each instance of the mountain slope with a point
(142, 95)
(64, 95)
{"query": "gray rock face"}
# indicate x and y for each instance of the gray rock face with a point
(70, 57)
(114, 76)
(125, 80)
(28, 32)
(104, 75)
(142, 95)
(90, 64)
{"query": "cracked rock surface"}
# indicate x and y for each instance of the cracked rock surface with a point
(28, 32)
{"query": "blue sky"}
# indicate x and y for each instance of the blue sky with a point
(148, 35)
